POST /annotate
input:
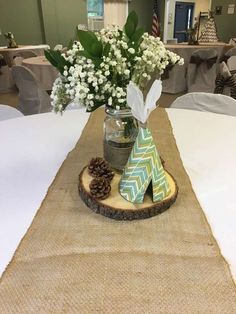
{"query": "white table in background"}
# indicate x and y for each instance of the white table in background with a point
(43, 70)
(9, 53)
(34, 147)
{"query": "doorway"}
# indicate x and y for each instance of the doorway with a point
(183, 20)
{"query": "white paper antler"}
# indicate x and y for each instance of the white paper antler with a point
(135, 100)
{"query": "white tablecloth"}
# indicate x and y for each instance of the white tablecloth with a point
(43, 70)
(9, 53)
(34, 147)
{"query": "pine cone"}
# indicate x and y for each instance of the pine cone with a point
(100, 188)
(98, 168)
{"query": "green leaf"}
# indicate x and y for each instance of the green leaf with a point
(96, 49)
(90, 43)
(138, 34)
(97, 61)
(50, 58)
(106, 49)
(56, 59)
(131, 24)
(86, 54)
(134, 17)
(129, 29)
(86, 38)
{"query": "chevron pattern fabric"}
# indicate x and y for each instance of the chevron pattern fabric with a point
(143, 166)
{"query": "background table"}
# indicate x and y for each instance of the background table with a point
(43, 70)
(9, 53)
(185, 51)
(34, 147)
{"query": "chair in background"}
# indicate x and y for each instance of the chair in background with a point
(174, 80)
(6, 81)
(25, 54)
(231, 52)
(8, 112)
(226, 78)
(206, 102)
(232, 41)
(32, 97)
(19, 56)
(231, 63)
(201, 72)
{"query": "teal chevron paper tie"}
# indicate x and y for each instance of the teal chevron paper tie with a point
(143, 166)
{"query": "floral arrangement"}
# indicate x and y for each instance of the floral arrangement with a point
(96, 69)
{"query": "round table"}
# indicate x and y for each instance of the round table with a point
(43, 70)
(9, 53)
(34, 147)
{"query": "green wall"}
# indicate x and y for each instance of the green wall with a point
(22, 18)
(60, 18)
(161, 9)
(225, 23)
(41, 21)
(144, 9)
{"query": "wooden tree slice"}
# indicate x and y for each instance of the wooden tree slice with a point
(116, 207)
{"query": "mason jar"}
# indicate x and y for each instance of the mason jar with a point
(120, 132)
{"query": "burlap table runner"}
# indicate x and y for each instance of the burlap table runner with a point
(75, 261)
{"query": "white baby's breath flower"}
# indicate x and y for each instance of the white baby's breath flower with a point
(109, 101)
(131, 50)
(127, 72)
(90, 96)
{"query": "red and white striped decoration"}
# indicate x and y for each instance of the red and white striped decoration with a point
(155, 23)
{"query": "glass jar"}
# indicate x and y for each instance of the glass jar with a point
(120, 132)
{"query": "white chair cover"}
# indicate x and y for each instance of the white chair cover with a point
(17, 61)
(231, 52)
(206, 102)
(176, 82)
(231, 63)
(21, 55)
(25, 54)
(32, 97)
(6, 81)
(232, 41)
(201, 77)
(8, 112)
